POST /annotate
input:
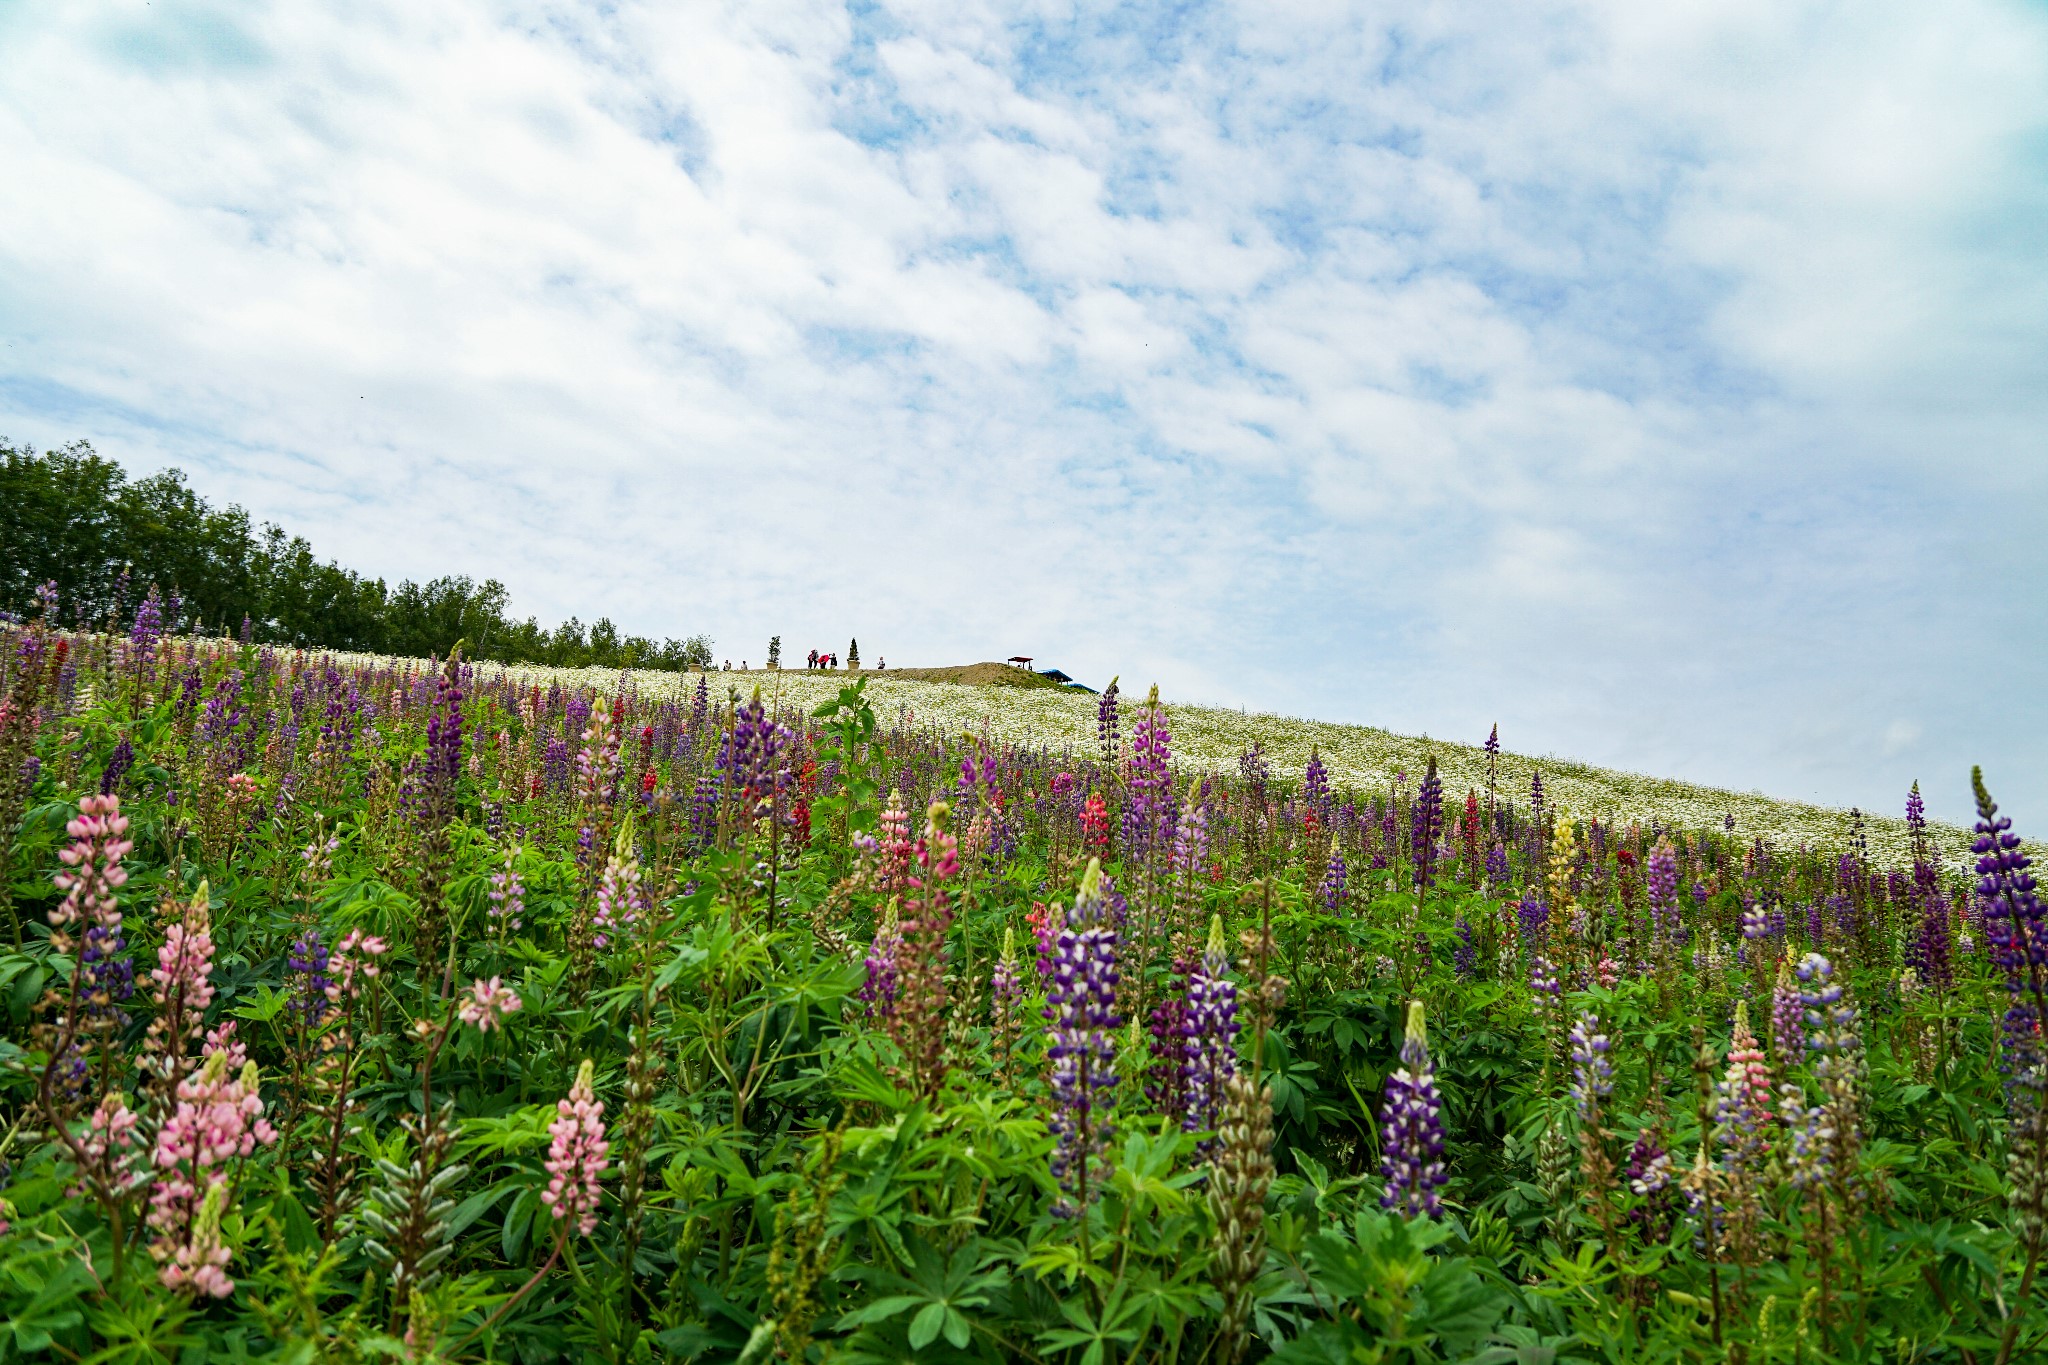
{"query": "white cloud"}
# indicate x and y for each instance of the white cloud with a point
(1598, 368)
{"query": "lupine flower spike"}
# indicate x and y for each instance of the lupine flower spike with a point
(1414, 1141)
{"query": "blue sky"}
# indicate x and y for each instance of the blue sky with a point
(1666, 383)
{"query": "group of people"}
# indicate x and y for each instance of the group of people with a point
(819, 659)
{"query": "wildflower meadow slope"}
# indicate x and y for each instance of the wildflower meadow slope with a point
(1210, 739)
(420, 1010)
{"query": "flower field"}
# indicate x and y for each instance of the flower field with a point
(365, 1008)
(1208, 740)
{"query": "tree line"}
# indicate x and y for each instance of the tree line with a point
(73, 517)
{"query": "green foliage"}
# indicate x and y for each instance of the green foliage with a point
(73, 517)
(778, 1185)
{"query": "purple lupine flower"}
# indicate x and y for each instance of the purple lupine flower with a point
(1756, 920)
(1497, 868)
(1661, 881)
(1788, 1039)
(1334, 879)
(118, 764)
(1106, 732)
(1651, 1178)
(1212, 1032)
(1413, 1139)
(1931, 947)
(1427, 823)
(1465, 957)
(1148, 808)
(1166, 1080)
(1813, 1134)
(1533, 916)
(306, 968)
(756, 751)
(1256, 772)
(704, 812)
(1081, 1008)
(1592, 1073)
(1545, 986)
(1834, 1044)
(2018, 943)
(1315, 787)
(148, 629)
(700, 704)
(878, 989)
(223, 710)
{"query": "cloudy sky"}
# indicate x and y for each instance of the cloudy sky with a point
(1666, 382)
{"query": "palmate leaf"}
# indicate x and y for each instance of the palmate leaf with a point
(1122, 1322)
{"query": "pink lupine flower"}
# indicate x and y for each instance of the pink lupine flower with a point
(354, 961)
(184, 964)
(576, 1159)
(219, 1117)
(619, 895)
(488, 1004)
(93, 862)
(109, 1146)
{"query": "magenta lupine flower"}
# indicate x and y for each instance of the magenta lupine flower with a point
(488, 1004)
(576, 1156)
(1414, 1131)
(1742, 1109)
(620, 897)
(1081, 1007)
(1212, 1033)
(1592, 1073)
(219, 1117)
(1148, 807)
(599, 764)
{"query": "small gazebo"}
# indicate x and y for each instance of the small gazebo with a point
(1021, 660)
